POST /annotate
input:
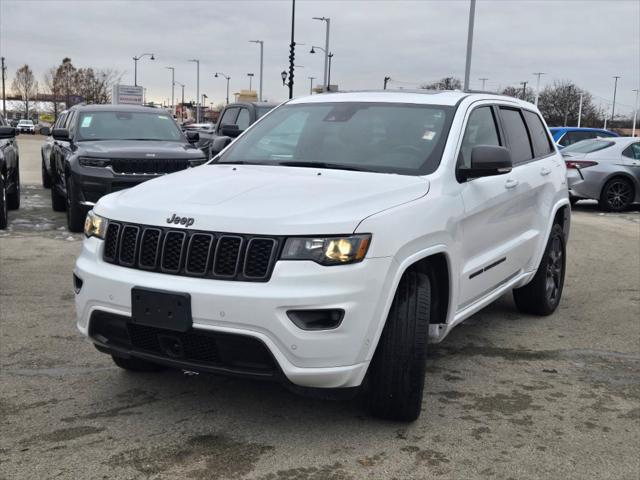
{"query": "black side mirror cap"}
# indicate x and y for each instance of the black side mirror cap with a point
(46, 131)
(231, 131)
(8, 132)
(218, 144)
(192, 137)
(61, 134)
(486, 161)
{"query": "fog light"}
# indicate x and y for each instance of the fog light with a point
(316, 319)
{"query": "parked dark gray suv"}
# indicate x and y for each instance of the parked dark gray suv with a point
(9, 171)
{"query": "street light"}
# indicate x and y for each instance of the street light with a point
(330, 57)
(197, 62)
(326, 51)
(182, 104)
(615, 89)
(635, 114)
(283, 74)
(228, 78)
(204, 101)
(173, 85)
(135, 66)
(250, 75)
(467, 66)
(261, 64)
(538, 74)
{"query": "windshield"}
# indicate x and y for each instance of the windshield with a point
(382, 137)
(587, 146)
(25, 122)
(127, 126)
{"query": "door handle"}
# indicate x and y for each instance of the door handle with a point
(511, 183)
(545, 171)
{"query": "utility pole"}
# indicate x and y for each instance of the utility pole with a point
(386, 80)
(467, 67)
(579, 109)
(484, 81)
(173, 86)
(524, 89)
(261, 65)
(197, 62)
(330, 56)
(615, 88)
(635, 113)
(311, 85)
(182, 104)
(4, 98)
(326, 52)
(292, 48)
(537, 74)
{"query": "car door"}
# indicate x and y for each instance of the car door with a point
(491, 224)
(631, 159)
(61, 151)
(228, 118)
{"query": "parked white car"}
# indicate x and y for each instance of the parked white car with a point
(330, 242)
(26, 126)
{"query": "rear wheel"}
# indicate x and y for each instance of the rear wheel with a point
(397, 371)
(13, 198)
(3, 203)
(542, 295)
(133, 364)
(75, 212)
(616, 195)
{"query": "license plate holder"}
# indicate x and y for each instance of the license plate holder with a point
(161, 309)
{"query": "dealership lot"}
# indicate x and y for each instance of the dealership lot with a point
(507, 396)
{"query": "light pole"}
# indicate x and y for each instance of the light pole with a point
(197, 62)
(524, 89)
(228, 78)
(327, 66)
(250, 75)
(135, 66)
(204, 102)
(292, 49)
(580, 109)
(386, 80)
(330, 57)
(4, 100)
(537, 74)
(311, 79)
(182, 104)
(261, 65)
(483, 80)
(173, 86)
(635, 114)
(615, 89)
(467, 66)
(325, 50)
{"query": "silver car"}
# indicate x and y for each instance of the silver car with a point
(604, 169)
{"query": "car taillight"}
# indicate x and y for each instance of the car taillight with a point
(579, 164)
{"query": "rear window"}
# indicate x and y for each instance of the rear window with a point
(517, 135)
(541, 143)
(588, 146)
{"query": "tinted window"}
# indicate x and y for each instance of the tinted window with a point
(385, 137)
(60, 122)
(481, 130)
(632, 151)
(541, 142)
(587, 146)
(576, 136)
(229, 117)
(101, 125)
(517, 136)
(244, 118)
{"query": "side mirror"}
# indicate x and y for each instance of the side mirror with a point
(192, 137)
(218, 144)
(231, 131)
(46, 131)
(7, 132)
(61, 134)
(486, 161)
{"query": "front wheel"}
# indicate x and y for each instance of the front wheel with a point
(542, 295)
(46, 176)
(617, 195)
(75, 212)
(396, 375)
(13, 198)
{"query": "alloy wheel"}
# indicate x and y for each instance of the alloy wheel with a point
(619, 194)
(554, 270)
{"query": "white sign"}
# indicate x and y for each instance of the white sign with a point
(127, 95)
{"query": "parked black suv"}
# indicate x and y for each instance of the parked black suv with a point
(9, 171)
(106, 148)
(234, 119)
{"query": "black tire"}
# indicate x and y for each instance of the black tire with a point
(3, 203)
(617, 194)
(76, 213)
(58, 200)
(133, 364)
(13, 198)
(542, 295)
(46, 176)
(395, 380)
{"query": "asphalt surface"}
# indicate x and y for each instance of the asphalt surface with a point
(508, 396)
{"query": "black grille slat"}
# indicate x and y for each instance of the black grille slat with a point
(149, 248)
(174, 251)
(128, 244)
(225, 262)
(259, 257)
(139, 166)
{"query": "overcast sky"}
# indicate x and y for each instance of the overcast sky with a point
(411, 41)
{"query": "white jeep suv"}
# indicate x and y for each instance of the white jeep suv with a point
(330, 242)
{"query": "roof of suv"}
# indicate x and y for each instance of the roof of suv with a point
(116, 108)
(426, 97)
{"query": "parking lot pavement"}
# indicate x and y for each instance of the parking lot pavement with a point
(507, 395)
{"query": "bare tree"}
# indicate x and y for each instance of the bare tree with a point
(518, 92)
(560, 104)
(63, 80)
(446, 83)
(25, 86)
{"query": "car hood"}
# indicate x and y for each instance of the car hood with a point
(137, 149)
(267, 200)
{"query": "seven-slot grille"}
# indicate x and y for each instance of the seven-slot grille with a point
(191, 253)
(152, 166)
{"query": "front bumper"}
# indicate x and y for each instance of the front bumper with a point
(335, 358)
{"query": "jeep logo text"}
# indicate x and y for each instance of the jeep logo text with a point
(186, 221)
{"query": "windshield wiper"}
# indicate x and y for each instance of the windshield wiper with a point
(334, 166)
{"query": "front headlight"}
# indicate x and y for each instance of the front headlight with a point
(95, 225)
(94, 162)
(327, 250)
